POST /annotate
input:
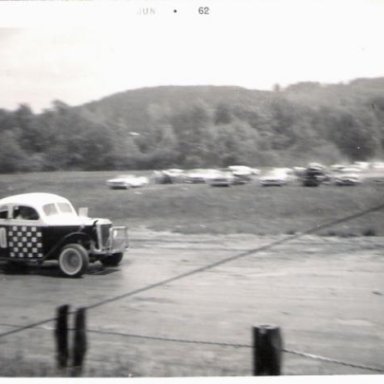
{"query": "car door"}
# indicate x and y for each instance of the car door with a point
(24, 236)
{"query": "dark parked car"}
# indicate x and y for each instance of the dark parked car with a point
(313, 176)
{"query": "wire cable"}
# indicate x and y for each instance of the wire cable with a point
(329, 360)
(236, 257)
(207, 267)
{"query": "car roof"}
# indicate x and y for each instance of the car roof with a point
(34, 199)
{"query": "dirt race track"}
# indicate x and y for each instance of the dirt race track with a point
(326, 294)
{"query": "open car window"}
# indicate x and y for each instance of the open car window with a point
(23, 212)
(3, 212)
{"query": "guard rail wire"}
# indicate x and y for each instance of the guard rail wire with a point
(206, 268)
(220, 344)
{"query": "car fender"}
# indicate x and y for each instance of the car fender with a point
(75, 237)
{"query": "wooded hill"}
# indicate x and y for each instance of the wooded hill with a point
(199, 126)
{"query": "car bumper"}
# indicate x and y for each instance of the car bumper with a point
(118, 185)
(271, 183)
(117, 242)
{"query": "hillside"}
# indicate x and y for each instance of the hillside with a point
(196, 126)
(136, 107)
(304, 122)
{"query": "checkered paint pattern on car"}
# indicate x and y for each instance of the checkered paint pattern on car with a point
(25, 242)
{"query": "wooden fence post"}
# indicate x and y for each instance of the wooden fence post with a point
(61, 336)
(79, 342)
(267, 350)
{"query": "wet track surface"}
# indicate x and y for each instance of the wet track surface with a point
(325, 293)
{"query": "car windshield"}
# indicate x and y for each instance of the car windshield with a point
(50, 209)
(65, 208)
(58, 208)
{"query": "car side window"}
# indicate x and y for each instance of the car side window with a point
(24, 213)
(3, 212)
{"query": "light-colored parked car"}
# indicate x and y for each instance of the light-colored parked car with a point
(36, 227)
(243, 174)
(278, 177)
(347, 179)
(222, 179)
(173, 175)
(363, 165)
(350, 170)
(195, 176)
(243, 170)
(346, 168)
(337, 167)
(274, 178)
(377, 165)
(127, 181)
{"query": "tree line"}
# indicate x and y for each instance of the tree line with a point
(302, 123)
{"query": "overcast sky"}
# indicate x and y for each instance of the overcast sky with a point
(82, 51)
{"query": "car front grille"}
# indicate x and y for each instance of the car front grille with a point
(104, 234)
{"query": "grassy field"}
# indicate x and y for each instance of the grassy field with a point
(252, 209)
(199, 208)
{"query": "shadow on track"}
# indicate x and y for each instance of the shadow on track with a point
(49, 269)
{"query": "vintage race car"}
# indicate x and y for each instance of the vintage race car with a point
(35, 227)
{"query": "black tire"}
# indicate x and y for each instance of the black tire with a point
(73, 260)
(113, 260)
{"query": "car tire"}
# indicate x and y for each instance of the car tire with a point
(73, 260)
(113, 260)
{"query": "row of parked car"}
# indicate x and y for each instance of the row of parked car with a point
(234, 175)
(341, 174)
(312, 175)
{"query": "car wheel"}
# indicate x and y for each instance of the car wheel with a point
(73, 260)
(113, 260)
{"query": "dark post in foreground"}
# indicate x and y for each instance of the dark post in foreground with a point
(79, 342)
(267, 350)
(61, 336)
